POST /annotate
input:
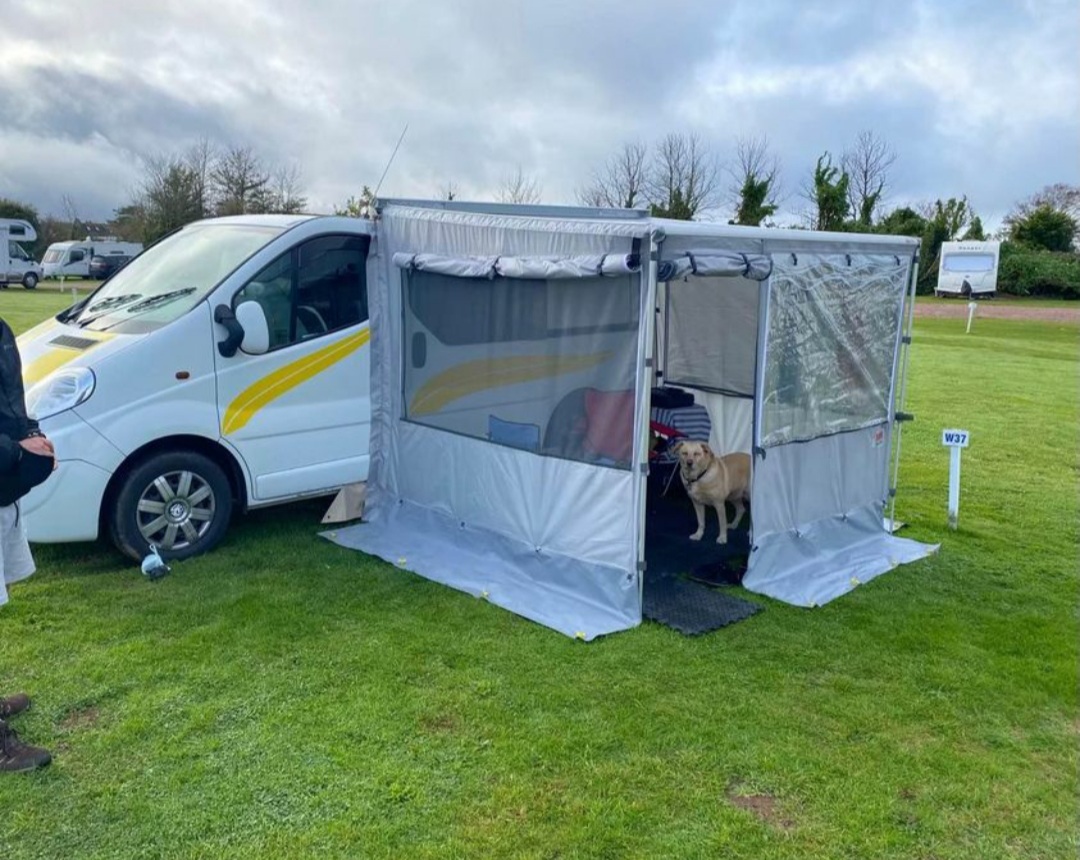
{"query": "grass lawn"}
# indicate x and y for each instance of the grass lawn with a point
(283, 697)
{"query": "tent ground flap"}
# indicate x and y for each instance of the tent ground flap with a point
(828, 558)
(576, 598)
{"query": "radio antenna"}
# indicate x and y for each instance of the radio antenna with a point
(375, 194)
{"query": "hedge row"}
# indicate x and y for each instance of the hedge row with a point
(1026, 272)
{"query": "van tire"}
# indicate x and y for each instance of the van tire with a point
(188, 492)
(30, 280)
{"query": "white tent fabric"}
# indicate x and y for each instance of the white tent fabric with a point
(550, 538)
(755, 267)
(789, 338)
(521, 267)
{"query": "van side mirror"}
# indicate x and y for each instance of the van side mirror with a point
(256, 330)
(224, 316)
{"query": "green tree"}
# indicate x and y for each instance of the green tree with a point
(904, 221)
(357, 207)
(829, 195)
(23, 211)
(753, 208)
(172, 197)
(1045, 228)
(755, 181)
(975, 231)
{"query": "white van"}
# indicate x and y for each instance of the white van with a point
(72, 259)
(16, 265)
(225, 368)
(968, 269)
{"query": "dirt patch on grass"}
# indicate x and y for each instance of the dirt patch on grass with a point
(763, 806)
(995, 309)
(439, 723)
(81, 718)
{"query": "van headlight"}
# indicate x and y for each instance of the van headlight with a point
(60, 392)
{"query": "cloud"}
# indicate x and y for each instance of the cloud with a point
(983, 104)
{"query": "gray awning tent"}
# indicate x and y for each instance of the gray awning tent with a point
(513, 360)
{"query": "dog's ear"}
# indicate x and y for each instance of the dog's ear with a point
(706, 450)
(676, 447)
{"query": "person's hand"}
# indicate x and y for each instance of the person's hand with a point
(39, 445)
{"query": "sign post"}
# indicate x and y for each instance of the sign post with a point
(955, 440)
(971, 315)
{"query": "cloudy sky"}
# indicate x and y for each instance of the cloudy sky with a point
(977, 98)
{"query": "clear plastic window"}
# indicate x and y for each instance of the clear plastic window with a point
(546, 366)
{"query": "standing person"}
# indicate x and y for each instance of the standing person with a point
(26, 459)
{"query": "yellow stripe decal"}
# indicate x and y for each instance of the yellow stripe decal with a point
(485, 373)
(270, 387)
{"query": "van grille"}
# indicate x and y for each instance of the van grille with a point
(72, 342)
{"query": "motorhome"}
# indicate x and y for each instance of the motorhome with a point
(72, 259)
(493, 373)
(968, 269)
(16, 264)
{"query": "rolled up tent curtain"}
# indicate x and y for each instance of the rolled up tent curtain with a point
(533, 268)
(716, 264)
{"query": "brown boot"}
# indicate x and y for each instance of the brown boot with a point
(13, 705)
(17, 757)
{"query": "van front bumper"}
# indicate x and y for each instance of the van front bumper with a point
(67, 506)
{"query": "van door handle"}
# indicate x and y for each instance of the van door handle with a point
(223, 315)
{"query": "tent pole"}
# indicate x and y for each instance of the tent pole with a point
(646, 366)
(899, 406)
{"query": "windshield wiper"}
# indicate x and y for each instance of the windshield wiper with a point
(152, 302)
(101, 308)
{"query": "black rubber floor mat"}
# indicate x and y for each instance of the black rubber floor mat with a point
(690, 608)
(669, 550)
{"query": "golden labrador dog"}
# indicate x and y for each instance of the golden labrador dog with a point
(712, 480)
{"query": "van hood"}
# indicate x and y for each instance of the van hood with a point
(52, 345)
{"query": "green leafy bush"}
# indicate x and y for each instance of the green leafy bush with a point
(1028, 272)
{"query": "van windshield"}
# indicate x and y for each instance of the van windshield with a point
(170, 278)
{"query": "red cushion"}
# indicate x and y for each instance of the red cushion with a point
(610, 416)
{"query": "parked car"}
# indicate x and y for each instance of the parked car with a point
(102, 267)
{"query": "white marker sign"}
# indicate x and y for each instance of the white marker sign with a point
(955, 440)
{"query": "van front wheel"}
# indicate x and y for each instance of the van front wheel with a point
(179, 501)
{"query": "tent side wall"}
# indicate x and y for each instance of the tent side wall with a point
(549, 535)
(824, 428)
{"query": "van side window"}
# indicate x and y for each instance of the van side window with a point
(317, 287)
(75, 256)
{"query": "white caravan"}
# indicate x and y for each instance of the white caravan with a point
(72, 259)
(227, 366)
(968, 269)
(16, 265)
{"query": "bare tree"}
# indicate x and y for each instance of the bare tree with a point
(241, 181)
(754, 188)
(684, 177)
(1060, 197)
(448, 191)
(71, 211)
(620, 182)
(201, 159)
(516, 187)
(867, 165)
(286, 190)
